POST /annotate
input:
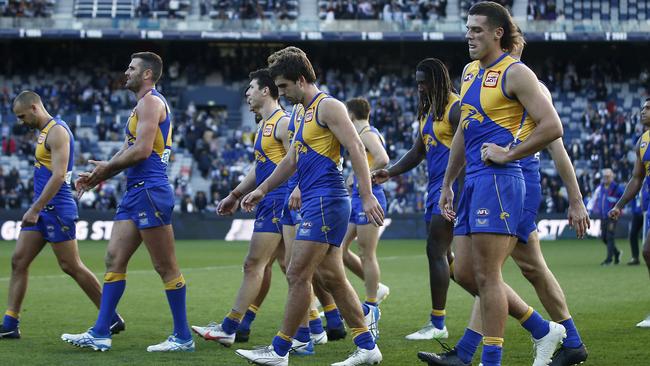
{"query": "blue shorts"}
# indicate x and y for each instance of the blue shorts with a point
(147, 207)
(289, 217)
(433, 198)
(358, 216)
(55, 227)
(267, 216)
(490, 204)
(529, 215)
(324, 219)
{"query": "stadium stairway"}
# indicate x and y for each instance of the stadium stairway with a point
(519, 9)
(63, 9)
(453, 10)
(308, 9)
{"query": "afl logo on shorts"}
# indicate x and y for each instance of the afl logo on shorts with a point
(41, 138)
(309, 115)
(268, 129)
(468, 77)
(482, 212)
(491, 79)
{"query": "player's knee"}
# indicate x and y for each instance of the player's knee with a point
(68, 267)
(18, 264)
(531, 272)
(296, 276)
(436, 249)
(252, 264)
(483, 277)
(466, 280)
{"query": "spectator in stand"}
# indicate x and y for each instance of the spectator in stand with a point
(200, 201)
(186, 204)
(604, 199)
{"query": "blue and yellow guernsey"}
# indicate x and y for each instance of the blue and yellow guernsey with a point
(319, 156)
(375, 187)
(488, 114)
(436, 136)
(644, 152)
(294, 121)
(153, 170)
(530, 164)
(269, 151)
(62, 200)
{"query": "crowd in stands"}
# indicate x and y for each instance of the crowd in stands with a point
(249, 9)
(387, 10)
(26, 8)
(544, 10)
(603, 137)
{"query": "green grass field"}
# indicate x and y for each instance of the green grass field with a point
(606, 303)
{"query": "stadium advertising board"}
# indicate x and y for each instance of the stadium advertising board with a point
(97, 225)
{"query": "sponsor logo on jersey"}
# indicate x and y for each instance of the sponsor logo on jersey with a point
(491, 79)
(268, 129)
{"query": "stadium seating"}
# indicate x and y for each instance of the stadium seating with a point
(253, 9)
(129, 9)
(387, 10)
(594, 10)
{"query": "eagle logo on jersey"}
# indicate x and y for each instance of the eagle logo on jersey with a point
(259, 157)
(429, 142)
(290, 135)
(472, 115)
(300, 148)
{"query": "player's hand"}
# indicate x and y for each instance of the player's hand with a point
(251, 200)
(379, 176)
(99, 174)
(295, 199)
(579, 218)
(30, 218)
(228, 205)
(446, 203)
(373, 210)
(493, 153)
(614, 213)
(81, 184)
